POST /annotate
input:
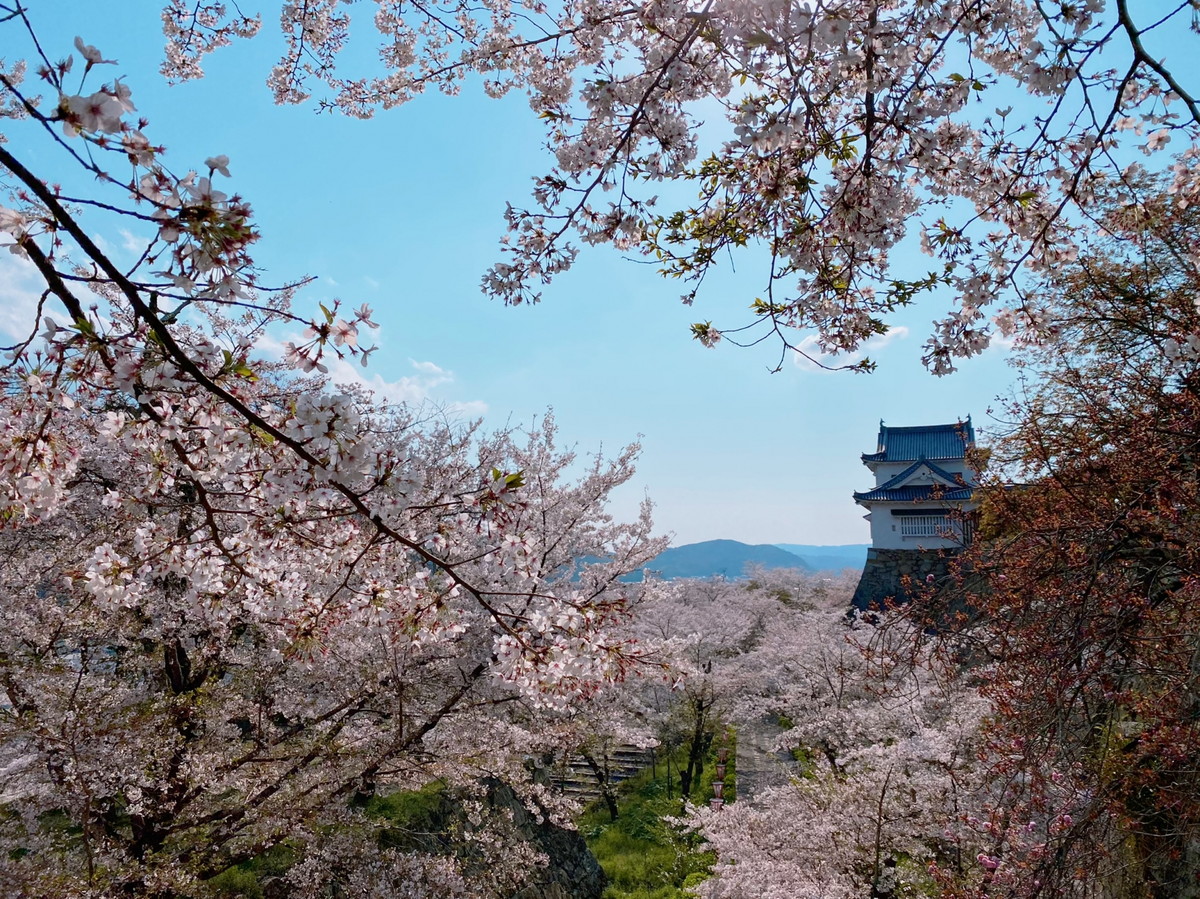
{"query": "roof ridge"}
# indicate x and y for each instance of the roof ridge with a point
(905, 443)
(951, 425)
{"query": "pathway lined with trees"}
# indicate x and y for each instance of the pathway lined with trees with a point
(760, 766)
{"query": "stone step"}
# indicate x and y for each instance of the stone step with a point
(575, 777)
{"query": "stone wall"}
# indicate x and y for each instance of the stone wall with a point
(434, 821)
(886, 571)
(572, 872)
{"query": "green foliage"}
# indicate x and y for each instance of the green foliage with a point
(411, 820)
(644, 854)
(806, 766)
(246, 880)
(507, 480)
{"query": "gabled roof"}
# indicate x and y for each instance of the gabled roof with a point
(896, 491)
(949, 441)
(950, 478)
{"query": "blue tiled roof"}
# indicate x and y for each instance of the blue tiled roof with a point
(916, 493)
(923, 441)
(895, 491)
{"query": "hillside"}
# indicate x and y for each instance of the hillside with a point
(730, 558)
(727, 558)
(829, 558)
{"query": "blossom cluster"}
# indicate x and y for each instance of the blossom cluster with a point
(234, 598)
(852, 127)
(876, 758)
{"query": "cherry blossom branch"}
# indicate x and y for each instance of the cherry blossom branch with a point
(181, 358)
(1141, 55)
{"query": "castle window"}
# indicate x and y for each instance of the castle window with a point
(924, 525)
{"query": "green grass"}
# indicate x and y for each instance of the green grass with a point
(245, 881)
(409, 820)
(643, 855)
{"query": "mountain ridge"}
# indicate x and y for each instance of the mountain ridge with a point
(731, 558)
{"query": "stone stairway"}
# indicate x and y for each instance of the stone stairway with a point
(579, 779)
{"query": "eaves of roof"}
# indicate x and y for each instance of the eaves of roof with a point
(898, 480)
(915, 493)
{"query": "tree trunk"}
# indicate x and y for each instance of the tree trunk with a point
(604, 781)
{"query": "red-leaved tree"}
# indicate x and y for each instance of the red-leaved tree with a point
(1088, 626)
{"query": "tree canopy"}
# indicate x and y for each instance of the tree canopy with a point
(236, 598)
(1086, 630)
(836, 135)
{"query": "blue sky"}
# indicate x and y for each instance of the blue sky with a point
(403, 212)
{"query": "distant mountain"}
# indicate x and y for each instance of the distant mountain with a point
(720, 557)
(729, 558)
(829, 558)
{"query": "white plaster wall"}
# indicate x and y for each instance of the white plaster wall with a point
(885, 532)
(888, 470)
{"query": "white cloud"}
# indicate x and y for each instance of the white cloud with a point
(810, 350)
(131, 242)
(469, 409)
(412, 389)
(20, 287)
(1001, 342)
(432, 369)
(102, 242)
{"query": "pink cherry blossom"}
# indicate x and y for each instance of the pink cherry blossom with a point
(344, 332)
(91, 55)
(850, 127)
(218, 164)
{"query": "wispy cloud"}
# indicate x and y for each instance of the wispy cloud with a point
(1002, 342)
(102, 242)
(131, 243)
(810, 352)
(431, 369)
(20, 287)
(414, 389)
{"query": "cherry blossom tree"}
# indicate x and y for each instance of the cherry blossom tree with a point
(239, 600)
(885, 752)
(701, 626)
(1088, 621)
(1042, 741)
(847, 129)
(201, 662)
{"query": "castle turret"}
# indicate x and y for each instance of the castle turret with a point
(919, 509)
